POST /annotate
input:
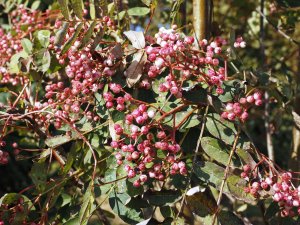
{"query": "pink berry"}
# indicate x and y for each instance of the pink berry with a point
(257, 95)
(264, 185)
(231, 116)
(244, 175)
(250, 99)
(143, 178)
(258, 102)
(243, 101)
(131, 173)
(137, 183)
(244, 116)
(255, 185)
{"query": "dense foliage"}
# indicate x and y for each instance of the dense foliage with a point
(102, 123)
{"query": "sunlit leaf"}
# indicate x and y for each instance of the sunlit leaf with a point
(138, 11)
(136, 38)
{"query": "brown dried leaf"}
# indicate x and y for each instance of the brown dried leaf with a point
(135, 70)
(117, 51)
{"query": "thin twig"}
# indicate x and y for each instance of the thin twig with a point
(278, 29)
(194, 159)
(20, 95)
(270, 147)
(226, 174)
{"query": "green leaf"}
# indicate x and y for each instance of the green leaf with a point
(163, 197)
(87, 36)
(61, 34)
(71, 41)
(66, 199)
(202, 203)
(71, 156)
(53, 195)
(27, 45)
(14, 66)
(209, 173)
(118, 202)
(186, 118)
(272, 210)
(35, 5)
(167, 211)
(76, 5)
(117, 116)
(213, 175)
(220, 128)
(64, 8)
(225, 130)
(161, 154)
(111, 8)
(93, 10)
(191, 121)
(133, 191)
(101, 7)
(12, 198)
(245, 157)
(175, 9)
(227, 217)
(147, 2)
(58, 140)
(120, 15)
(235, 186)
(88, 206)
(95, 140)
(230, 89)
(138, 11)
(43, 37)
(215, 149)
(110, 175)
(38, 175)
(42, 60)
(73, 221)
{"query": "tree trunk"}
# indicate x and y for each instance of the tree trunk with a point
(202, 14)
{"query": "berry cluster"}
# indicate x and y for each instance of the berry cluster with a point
(170, 49)
(279, 187)
(151, 156)
(23, 21)
(239, 43)
(85, 76)
(239, 110)
(120, 102)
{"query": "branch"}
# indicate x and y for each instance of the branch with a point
(281, 32)
(194, 159)
(226, 173)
